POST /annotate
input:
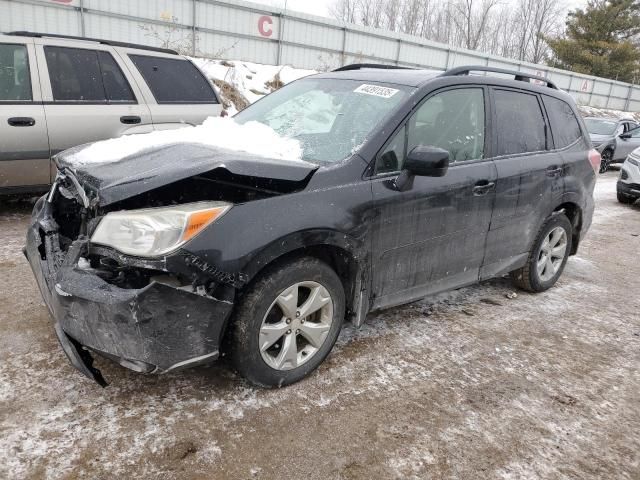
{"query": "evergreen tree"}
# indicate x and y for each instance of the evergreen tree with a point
(601, 40)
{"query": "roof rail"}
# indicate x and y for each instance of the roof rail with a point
(359, 66)
(111, 43)
(519, 76)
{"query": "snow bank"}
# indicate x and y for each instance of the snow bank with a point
(251, 81)
(215, 131)
(587, 111)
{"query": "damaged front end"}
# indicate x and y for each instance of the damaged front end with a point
(152, 314)
(134, 311)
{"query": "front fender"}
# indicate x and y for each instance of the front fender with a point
(298, 241)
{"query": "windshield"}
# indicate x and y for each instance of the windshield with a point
(330, 118)
(600, 127)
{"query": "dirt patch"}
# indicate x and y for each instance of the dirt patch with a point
(469, 384)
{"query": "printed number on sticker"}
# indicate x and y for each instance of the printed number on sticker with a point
(376, 90)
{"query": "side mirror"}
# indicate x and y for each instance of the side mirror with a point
(423, 161)
(426, 161)
(625, 135)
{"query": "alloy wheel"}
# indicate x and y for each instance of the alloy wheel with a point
(551, 254)
(296, 325)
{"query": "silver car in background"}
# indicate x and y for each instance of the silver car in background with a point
(614, 138)
(628, 186)
(57, 92)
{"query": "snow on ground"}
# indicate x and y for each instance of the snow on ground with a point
(215, 131)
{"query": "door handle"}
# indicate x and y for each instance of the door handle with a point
(130, 119)
(554, 171)
(21, 121)
(483, 187)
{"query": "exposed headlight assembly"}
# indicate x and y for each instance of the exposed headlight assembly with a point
(151, 232)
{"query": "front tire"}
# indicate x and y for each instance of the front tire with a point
(622, 198)
(287, 323)
(548, 256)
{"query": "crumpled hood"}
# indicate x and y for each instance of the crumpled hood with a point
(107, 183)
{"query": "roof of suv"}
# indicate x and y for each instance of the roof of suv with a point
(112, 43)
(418, 77)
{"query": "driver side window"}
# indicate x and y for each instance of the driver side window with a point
(451, 120)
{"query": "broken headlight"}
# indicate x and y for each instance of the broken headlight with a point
(156, 231)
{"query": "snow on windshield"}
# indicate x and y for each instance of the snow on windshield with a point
(251, 137)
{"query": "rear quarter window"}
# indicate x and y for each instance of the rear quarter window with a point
(564, 124)
(174, 80)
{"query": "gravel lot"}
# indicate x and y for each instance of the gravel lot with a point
(469, 384)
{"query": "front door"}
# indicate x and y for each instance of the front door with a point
(430, 237)
(626, 145)
(24, 146)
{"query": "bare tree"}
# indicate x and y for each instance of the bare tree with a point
(345, 10)
(471, 20)
(509, 28)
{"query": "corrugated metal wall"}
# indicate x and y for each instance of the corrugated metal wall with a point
(252, 32)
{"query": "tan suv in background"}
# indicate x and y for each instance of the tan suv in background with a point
(57, 92)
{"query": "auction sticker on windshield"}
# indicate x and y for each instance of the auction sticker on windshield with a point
(376, 90)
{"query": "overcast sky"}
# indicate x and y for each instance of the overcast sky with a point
(320, 7)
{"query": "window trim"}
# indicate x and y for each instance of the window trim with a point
(22, 102)
(106, 101)
(177, 59)
(549, 141)
(370, 171)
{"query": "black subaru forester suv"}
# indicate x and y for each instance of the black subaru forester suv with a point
(411, 182)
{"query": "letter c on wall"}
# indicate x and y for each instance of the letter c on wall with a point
(264, 26)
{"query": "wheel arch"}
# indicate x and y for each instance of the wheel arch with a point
(574, 213)
(344, 254)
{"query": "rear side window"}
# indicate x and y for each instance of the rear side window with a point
(81, 75)
(564, 124)
(174, 80)
(520, 124)
(15, 81)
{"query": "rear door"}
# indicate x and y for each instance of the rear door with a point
(431, 236)
(176, 91)
(530, 178)
(24, 146)
(87, 96)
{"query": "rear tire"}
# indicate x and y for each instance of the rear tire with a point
(545, 265)
(287, 322)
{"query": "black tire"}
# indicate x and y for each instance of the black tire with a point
(605, 162)
(622, 198)
(527, 277)
(257, 302)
